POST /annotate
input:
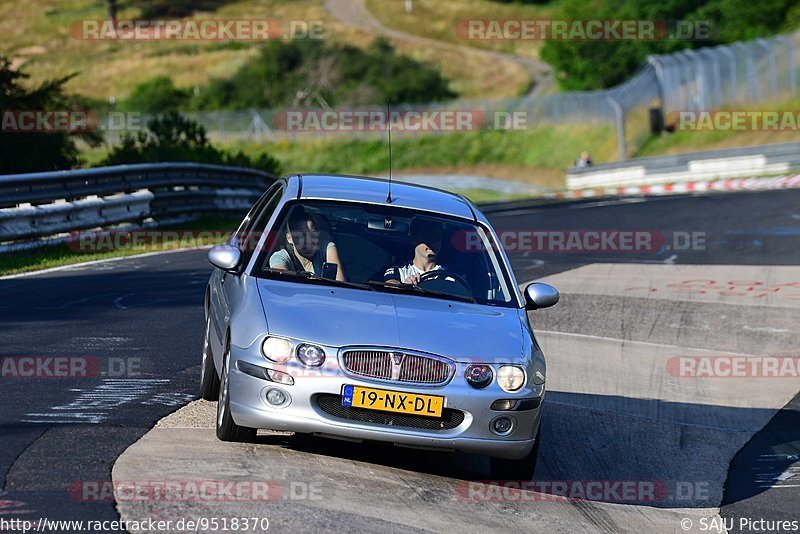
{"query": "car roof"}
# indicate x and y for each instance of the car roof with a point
(375, 190)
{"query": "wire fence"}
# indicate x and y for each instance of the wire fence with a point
(764, 70)
(753, 72)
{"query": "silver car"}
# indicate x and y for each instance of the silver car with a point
(354, 308)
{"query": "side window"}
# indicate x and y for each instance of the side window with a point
(249, 219)
(258, 225)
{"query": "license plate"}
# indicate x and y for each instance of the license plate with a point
(392, 401)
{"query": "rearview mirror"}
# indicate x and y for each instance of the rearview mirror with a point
(226, 257)
(539, 295)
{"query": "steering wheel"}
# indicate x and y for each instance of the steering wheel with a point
(448, 277)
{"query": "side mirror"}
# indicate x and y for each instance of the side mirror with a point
(538, 295)
(226, 257)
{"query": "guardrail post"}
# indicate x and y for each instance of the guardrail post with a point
(792, 68)
(620, 122)
(731, 85)
(773, 68)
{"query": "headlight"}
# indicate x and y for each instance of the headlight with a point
(510, 378)
(276, 349)
(478, 376)
(310, 355)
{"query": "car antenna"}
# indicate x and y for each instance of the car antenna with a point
(389, 120)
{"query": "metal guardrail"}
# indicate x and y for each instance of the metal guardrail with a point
(38, 205)
(727, 163)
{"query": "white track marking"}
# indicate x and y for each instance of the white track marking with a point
(646, 343)
(79, 266)
(751, 285)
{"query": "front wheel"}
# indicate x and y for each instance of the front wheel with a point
(227, 429)
(522, 469)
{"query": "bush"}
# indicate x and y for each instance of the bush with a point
(171, 137)
(158, 9)
(158, 95)
(311, 73)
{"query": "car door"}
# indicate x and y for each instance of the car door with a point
(230, 284)
(218, 307)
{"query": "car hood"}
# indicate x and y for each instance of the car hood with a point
(340, 317)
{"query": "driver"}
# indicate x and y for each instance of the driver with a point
(427, 239)
(303, 249)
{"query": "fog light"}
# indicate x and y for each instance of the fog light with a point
(479, 376)
(502, 425)
(280, 377)
(276, 397)
(504, 405)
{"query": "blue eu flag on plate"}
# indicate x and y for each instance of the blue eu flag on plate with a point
(347, 396)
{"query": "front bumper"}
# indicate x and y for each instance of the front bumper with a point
(303, 413)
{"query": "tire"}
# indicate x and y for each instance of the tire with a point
(227, 429)
(522, 469)
(209, 380)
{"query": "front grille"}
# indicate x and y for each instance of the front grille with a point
(332, 405)
(412, 369)
(369, 363)
(422, 370)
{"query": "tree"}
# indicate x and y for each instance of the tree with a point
(31, 151)
(112, 12)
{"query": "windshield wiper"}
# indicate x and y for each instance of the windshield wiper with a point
(311, 278)
(410, 288)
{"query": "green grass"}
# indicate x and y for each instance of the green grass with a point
(549, 149)
(438, 19)
(697, 141)
(59, 255)
(479, 196)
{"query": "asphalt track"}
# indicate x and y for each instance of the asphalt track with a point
(614, 412)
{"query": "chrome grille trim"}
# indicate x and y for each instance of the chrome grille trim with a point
(423, 370)
(415, 368)
(368, 363)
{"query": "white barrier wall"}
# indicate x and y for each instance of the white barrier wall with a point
(732, 163)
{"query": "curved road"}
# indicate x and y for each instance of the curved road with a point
(355, 13)
(616, 411)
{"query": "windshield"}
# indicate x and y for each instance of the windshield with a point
(382, 248)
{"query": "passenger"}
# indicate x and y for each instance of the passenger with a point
(426, 237)
(303, 249)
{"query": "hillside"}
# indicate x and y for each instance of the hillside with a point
(36, 35)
